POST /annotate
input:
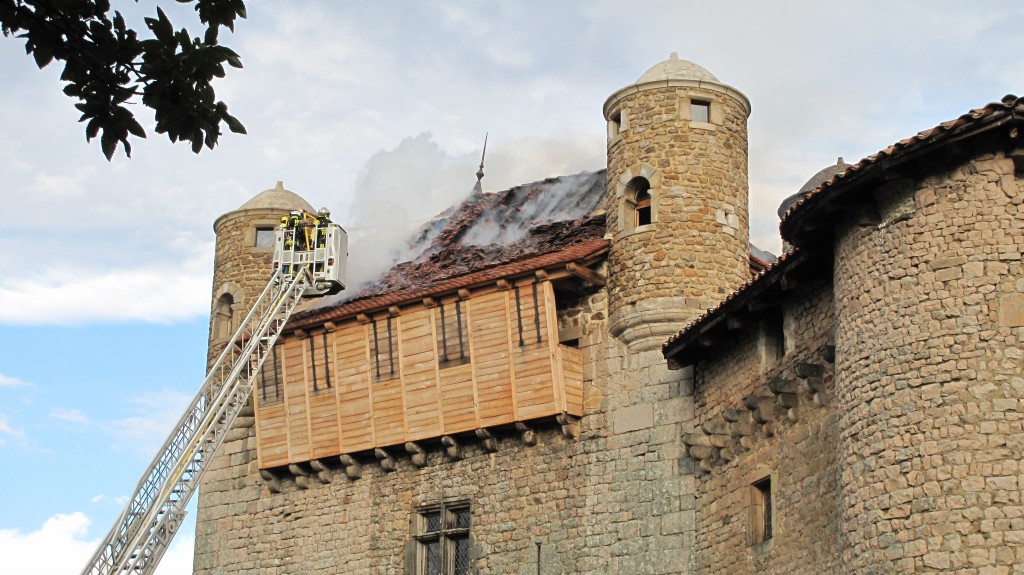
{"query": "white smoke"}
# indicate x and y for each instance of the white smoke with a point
(398, 192)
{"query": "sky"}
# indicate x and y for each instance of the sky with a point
(378, 110)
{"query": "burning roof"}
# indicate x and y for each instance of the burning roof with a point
(531, 225)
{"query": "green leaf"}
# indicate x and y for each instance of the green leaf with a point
(233, 124)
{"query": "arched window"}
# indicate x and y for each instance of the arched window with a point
(223, 323)
(638, 199)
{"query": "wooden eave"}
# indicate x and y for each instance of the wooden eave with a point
(553, 264)
(742, 307)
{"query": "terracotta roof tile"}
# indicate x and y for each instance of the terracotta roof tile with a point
(521, 266)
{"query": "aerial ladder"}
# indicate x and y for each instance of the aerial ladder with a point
(310, 256)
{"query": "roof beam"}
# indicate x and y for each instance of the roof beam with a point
(586, 274)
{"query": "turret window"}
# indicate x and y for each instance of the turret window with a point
(639, 206)
(700, 111)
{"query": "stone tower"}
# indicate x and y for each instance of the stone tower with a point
(676, 200)
(243, 260)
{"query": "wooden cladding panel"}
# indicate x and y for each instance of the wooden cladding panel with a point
(503, 381)
(272, 436)
(295, 399)
(572, 362)
(458, 406)
(491, 329)
(353, 388)
(419, 376)
(388, 412)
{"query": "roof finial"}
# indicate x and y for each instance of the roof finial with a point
(673, 56)
(480, 173)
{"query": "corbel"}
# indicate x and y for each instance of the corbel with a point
(452, 447)
(701, 439)
(271, 479)
(394, 310)
(812, 376)
(330, 326)
(387, 463)
(761, 407)
(570, 425)
(541, 275)
(463, 293)
(363, 318)
(503, 285)
(300, 333)
(353, 469)
(429, 302)
(527, 434)
(301, 475)
(489, 441)
(419, 457)
(320, 470)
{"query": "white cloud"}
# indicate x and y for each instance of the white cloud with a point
(72, 295)
(8, 381)
(6, 429)
(69, 415)
(156, 414)
(60, 546)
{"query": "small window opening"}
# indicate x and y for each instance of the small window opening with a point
(774, 339)
(700, 111)
(761, 511)
(270, 379)
(442, 539)
(452, 336)
(382, 350)
(615, 125)
(638, 200)
(523, 312)
(265, 237)
(223, 317)
(643, 208)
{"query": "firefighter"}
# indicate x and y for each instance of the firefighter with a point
(323, 220)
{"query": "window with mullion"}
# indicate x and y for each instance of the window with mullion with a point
(443, 540)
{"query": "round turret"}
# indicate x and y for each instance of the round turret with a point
(677, 199)
(244, 254)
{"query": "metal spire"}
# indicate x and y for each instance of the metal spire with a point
(478, 188)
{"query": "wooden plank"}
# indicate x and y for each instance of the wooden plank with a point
(492, 368)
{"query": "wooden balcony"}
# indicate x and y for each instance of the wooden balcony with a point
(434, 368)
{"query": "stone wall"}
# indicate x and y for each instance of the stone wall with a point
(796, 448)
(929, 386)
(615, 499)
(695, 252)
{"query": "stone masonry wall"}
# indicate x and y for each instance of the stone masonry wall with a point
(930, 308)
(616, 499)
(696, 251)
(798, 452)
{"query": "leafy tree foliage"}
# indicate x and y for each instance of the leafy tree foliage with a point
(108, 67)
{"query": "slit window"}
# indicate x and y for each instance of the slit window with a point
(270, 379)
(442, 539)
(452, 334)
(382, 349)
(528, 315)
(700, 111)
(320, 362)
(761, 526)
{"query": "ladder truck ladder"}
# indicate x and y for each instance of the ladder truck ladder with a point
(152, 516)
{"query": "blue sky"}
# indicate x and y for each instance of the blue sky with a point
(378, 111)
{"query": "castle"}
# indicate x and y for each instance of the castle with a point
(598, 374)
